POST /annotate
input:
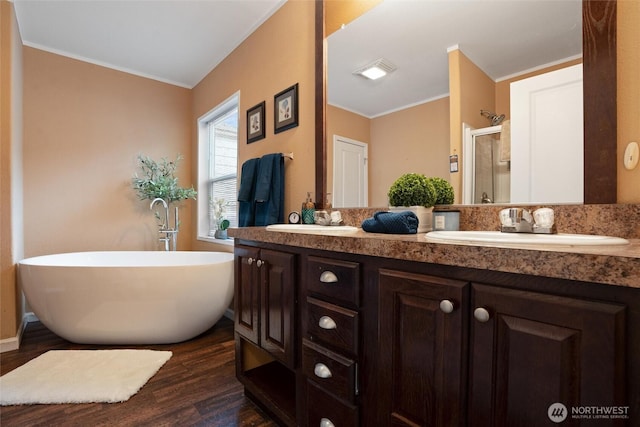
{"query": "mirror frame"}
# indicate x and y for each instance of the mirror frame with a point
(599, 89)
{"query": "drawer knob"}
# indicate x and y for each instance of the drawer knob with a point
(481, 315)
(322, 371)
(259, 263)
(327, 322)
(250, 261)
(326, 422)
(328, 277)
(446, 306)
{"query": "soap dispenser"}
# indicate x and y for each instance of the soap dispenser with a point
(308, 209)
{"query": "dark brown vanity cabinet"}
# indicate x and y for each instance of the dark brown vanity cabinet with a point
(423, 344)
(265, 313)
(455, 353)
(331, 341)
(530, 350)
(265, 300)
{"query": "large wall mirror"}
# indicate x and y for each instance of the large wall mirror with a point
(582, 30)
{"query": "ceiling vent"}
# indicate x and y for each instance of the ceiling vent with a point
(376, 69)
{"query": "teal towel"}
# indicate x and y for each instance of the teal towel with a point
(392, 223)
(246, 204)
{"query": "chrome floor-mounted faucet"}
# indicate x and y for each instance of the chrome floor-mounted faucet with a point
(168, 236)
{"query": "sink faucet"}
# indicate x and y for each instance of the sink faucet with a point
(519, 220)
(516, 220)
(486, 198)
(170, 234)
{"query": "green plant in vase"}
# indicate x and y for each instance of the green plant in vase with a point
(412, 189)
(219, 222)
(157, 180)
(414, 192)
(444, 190)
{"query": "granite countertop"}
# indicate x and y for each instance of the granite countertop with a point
(612, 265)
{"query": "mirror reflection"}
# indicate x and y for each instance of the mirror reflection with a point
(411, 120)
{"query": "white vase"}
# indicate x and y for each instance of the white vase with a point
(425, 221)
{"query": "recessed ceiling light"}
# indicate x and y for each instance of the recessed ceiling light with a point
(376, 69)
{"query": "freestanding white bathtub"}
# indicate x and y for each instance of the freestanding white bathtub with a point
(128, 297)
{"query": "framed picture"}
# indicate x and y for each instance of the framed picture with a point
(285, 109)
(255, 123)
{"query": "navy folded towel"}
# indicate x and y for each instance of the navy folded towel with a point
(392, 223)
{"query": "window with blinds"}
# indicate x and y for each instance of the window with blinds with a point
(223, 160)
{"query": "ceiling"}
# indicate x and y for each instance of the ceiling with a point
(181, 41)
(502, 37)
(174, 41)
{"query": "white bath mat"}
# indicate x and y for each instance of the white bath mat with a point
(81, 376)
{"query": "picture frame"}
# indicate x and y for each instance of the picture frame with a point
(256, 125)
(285, 109)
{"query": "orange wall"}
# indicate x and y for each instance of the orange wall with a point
(277, 55)
(628, 39)
(339, 12)
(412, 140)
(11, 229)
(349, 125)
(84, 127)
(471, 90)
(394, 139)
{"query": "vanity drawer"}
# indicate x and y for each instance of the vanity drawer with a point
(332, 325)
(325, 408)
(331, 371)
(334, 279)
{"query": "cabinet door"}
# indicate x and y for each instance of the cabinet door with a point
(531, 350)
(422, 342)
(247, 293)
(277, 309)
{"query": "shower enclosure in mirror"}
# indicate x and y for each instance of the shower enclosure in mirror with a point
(488, 175)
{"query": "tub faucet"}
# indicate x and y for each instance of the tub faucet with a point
(169, 236)
(165, 224)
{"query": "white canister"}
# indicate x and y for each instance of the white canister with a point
(446, 220)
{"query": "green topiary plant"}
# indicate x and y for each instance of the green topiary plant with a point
(412, 189)
(158, 180)
(444, 190)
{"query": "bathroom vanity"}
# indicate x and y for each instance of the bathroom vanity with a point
(374, 330)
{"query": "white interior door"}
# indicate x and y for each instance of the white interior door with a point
(350, 173)
(547, 138)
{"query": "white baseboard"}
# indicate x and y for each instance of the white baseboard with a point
(13, 343)
(228, 313)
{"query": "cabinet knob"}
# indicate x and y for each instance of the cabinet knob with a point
(326, 422)
(259, 263)
(327, 322)
(322, 371)
(446, 306)
(328, 277)
(481, 314)
(250, 261)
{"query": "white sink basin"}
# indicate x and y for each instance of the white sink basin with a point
(522, 238)
(313, 229)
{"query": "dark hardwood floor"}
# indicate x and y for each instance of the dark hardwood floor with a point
(196, 387)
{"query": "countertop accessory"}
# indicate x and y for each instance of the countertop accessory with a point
(294, 217)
